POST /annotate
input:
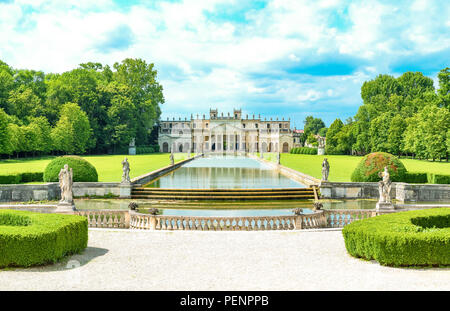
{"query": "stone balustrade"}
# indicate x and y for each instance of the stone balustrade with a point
(251, 223)
(134, 220)
(106, 218)
(338, 218)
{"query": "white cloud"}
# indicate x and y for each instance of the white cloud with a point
(212, 61)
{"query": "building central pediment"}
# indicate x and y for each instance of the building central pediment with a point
(225, 127)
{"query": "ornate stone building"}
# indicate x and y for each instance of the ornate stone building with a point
(225, 134)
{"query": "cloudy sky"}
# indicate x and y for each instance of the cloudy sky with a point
(280, 58)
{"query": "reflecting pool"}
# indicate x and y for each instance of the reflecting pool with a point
(224, 172)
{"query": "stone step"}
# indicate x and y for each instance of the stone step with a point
(233, 197)
(253, 193)
(269, 190)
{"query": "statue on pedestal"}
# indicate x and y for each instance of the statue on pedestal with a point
(172, 162)
(325, 169)
(384, 186)
(65, 183)
(126, 171)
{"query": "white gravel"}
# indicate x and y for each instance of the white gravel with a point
(186, 260)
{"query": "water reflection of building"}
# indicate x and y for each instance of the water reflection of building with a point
(226, 134)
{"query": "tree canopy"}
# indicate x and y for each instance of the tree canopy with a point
(403, 115)
(92, 108)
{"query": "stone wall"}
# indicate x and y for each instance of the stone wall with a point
(25, 193)
(422, 192)
(82, 189)
(288, 172)
(369, 190)
(51, 191)
(146, 178)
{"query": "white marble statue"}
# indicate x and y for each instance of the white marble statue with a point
(65, 184)
(172, 162)
(126, 171)
(325, 169)
(384, 186)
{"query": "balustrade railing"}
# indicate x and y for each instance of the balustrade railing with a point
(134, 220)
(162, 222)
(106, 218)
(340, 217)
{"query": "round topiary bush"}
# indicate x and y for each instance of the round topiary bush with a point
(82, 169)
(413, 238)
(367, 170)
(28, 238)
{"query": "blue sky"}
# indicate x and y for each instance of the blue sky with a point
(280, 58)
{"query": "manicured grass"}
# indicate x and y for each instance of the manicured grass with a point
(341, 166)
(109, 167)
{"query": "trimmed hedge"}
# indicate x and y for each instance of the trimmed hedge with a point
(28, 238)
(21, 178)
(415, 178)
(368, 168)
(304, 150)
(413, 238)
(147, 149)
(83, 171)
(438, 179)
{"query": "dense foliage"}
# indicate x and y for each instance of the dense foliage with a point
(83, 171)
(28, 238)
(412, 238)
(93, 108)
(402, 116)
(368, 168)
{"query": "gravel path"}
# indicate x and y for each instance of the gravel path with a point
(137, 260)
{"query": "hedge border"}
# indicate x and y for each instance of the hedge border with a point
(396, 240)
(20, 178)
(36, 238)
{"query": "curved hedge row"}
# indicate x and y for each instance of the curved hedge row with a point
(83, 171)
(413, 238)
(28, 238)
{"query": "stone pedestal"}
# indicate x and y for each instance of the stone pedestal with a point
(132, 150)
(320, 151)
(125, 190)
(384, 206)
(65, 208)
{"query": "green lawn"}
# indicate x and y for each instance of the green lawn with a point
(109, 167)
(341, 167)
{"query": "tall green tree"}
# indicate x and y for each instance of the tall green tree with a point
(427, 132)
(145, 91)
(332, 142)
(444, 87)
(312, 126)
(72, 131)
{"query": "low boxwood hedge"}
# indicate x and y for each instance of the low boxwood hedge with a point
(28, 238)
(83, 171)
(415, 178)
(412, 238)
(438, 178)
(303, 150)
(19, 178)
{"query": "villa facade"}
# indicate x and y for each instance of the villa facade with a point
(226, 134)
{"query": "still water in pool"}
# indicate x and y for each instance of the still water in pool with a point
(224, 172)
